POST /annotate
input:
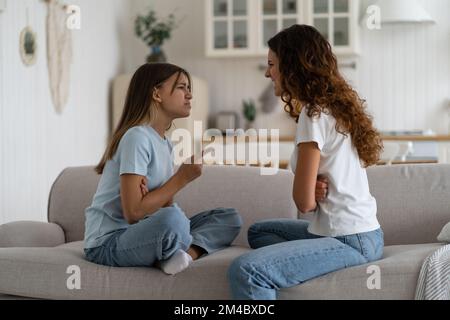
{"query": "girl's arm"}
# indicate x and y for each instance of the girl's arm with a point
(144, 191)
(305, 180)
(135, 207)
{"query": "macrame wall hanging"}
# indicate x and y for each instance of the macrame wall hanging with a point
(59, 54)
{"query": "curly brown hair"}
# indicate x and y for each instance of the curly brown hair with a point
(309, 73)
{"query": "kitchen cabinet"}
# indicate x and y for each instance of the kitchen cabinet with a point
(437, 146)
(337, 21)
(239, 28)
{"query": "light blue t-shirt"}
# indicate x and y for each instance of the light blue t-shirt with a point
(141, 151)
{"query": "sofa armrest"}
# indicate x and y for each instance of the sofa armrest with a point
(31, 234)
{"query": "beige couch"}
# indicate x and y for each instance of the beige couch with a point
(413, 203)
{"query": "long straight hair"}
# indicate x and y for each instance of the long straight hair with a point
(140, 108)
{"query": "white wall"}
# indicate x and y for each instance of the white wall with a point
(35, 142)
(403, 71)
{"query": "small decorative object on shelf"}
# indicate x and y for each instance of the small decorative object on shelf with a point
(154, 32)
(249, 110)
(227, 121)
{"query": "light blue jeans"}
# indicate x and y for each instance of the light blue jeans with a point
(288, 255)
(160, 235)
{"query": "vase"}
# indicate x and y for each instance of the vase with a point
(249, 125)
(156, 55)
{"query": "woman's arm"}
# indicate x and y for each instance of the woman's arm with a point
(305, 180)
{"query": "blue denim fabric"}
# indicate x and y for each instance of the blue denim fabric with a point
(160, 235)
(287, 255)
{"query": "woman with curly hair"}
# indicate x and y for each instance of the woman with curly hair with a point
(336, 140)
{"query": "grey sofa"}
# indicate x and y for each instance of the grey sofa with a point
(413, 206)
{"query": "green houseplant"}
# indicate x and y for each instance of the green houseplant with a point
(153, 31)
(249, 111)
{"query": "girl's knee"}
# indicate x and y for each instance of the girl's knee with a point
(240, 269)
(174, 223)
(237, 269)
(231, 216)
(256, 228)
(172, 216)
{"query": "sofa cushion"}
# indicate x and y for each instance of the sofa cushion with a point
(444, 235)
(411, 197)
(399, 272)
(42, 273)
(259, 197)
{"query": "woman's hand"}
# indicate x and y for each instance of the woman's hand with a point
(321, 188)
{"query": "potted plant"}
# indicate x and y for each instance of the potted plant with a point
(154, 32)
(249, 111)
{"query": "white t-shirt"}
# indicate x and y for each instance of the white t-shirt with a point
(349, 207)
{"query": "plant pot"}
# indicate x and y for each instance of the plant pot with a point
(249, 125)
(157, 55)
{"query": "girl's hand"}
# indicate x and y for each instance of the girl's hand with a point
(143, 186)
(190, 172)
(321, 188)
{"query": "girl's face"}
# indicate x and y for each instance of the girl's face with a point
(273, 72)
(176, 104)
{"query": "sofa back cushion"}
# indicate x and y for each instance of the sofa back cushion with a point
(71, 193)
(255, 197)
(413, 201)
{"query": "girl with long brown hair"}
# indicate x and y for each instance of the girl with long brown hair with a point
(335, 139)
(133, 221)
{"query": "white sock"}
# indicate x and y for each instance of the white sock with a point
(176, 263)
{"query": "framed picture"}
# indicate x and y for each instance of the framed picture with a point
(28, 46)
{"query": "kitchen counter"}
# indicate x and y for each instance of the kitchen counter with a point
(445, 138)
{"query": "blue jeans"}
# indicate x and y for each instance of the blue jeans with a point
(160, 235)
(288, 255)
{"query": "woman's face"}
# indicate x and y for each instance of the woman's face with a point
(176, 104)
(273, 72)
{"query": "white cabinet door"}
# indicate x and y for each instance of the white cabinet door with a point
(229, 28)
(337, 21)
(239, 28)
(276, 15)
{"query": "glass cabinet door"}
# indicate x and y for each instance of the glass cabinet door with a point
(333, 20)
(276, 15)
(230, 28)
(242, 27)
